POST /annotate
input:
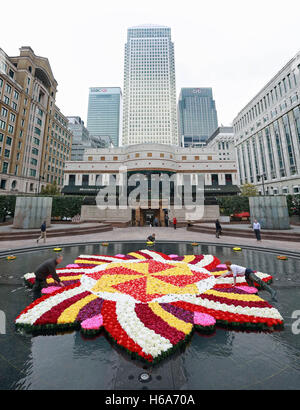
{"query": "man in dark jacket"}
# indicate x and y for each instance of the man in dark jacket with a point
(151, 238)
(44, 270)
(218, 228)
(43, 232)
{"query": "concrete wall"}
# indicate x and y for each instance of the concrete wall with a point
(93, 213)
(270, 211)
(30, 212)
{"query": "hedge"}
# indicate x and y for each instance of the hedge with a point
(67, 206)
(233, 204)
(7, 206)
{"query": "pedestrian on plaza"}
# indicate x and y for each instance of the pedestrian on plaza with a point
(43, 232)
(156, 221)
(218, 229)
(44, 270)
(166, 220)
(250, 277)
(174, 222)
(256, 229)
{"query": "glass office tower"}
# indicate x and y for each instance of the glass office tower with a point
(149, 114)
(197, 116)
(105, 113)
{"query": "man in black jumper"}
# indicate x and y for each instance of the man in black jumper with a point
(44, 270)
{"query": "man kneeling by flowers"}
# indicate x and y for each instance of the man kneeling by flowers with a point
(250, 277)
(44, 270)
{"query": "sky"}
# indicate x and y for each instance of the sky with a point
(233, 46)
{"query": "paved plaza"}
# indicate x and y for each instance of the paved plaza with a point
(141, 233)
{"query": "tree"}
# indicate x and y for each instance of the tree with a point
(51, 189)
(249, 190)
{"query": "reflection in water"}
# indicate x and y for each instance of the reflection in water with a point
(71, 362)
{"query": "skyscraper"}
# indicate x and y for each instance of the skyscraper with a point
(149, 114)
(104, 113)
(197, 116)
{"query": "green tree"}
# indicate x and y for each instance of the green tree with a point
(50, 189)
(249, 190)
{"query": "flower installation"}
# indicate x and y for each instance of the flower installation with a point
(147, 302)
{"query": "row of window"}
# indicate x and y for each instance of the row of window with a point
(264, 149)
(278, 91)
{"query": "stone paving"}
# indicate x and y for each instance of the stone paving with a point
(162, 233)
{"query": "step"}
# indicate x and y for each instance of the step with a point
(55, 233)
(293, 237)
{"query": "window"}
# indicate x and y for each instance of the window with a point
(72, 180)
(35, 151)
(3, 184)
(4, 112)
(37, 131)
(8, 89)
(33, 161)
(8, 140)
(7, 153)
(102, 158)
(209, 158)
(85, 180)
(5, 167)
(215, 179)
(115, 158)
(2, 125)
(228, 179)
(10, 129)
(36, 141)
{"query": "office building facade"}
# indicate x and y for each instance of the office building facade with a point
(105, 113)
(34, 139)
(197, 116)
(81, 138)
(267, 134)
(149, 114)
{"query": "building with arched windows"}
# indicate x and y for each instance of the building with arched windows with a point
(34, 138)
(199, 167)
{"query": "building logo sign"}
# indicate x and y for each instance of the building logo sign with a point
(197, 91)
(99, 90)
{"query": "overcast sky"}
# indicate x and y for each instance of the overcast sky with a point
(233, 46)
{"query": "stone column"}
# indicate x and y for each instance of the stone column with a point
(31, 212)
(270, 211)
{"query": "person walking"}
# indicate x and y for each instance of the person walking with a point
(43, 232)
(250, 277)
(166, 220)
(174, 222)
(256, 229)
(218, 228)
(44, 270)
(156, 221)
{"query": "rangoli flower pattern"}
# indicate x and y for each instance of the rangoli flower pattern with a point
(147, 302)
